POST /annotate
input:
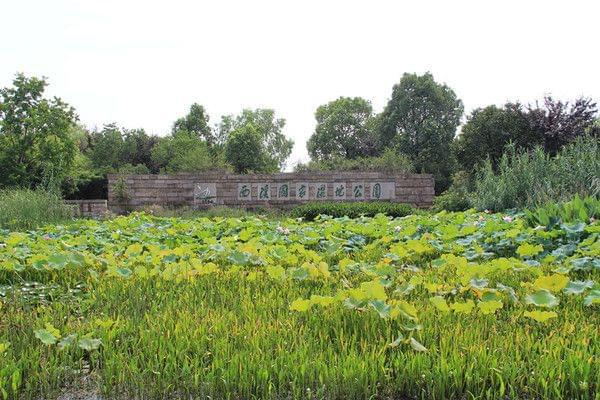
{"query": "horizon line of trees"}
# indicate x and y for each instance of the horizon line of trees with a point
(42, 143)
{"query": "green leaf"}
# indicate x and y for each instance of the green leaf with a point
(407, 310)
(276, 271)
(478, 283)
(416, 345)
(440, 303)
(540, 316)
(578, 287)
(45, 336)
(66, 341)
(301, 305)
(89, 344)
(542, 298)
(489, 307)
(529, 250)
(323, 301)
(382, 309)
(239, 258)
(512, 295)
(124, 272)
(374, 290)
(592, 298)
(553, 283)
(464, 308)
(58, 261)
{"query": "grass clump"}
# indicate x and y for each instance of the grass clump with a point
(533, 179)
(23, 209)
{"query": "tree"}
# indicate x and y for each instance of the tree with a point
(106, 149)
(276, 147)
(196, 122)
(487, 132)
(558, 123)
(245, 151)
(36, 145)
(137, 148)
(183, 152)
(420, 120)
(343, 130)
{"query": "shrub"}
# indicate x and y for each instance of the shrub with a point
(532, 179)
(457, 197)
(310, 211)
(23, 209)
(576, 210)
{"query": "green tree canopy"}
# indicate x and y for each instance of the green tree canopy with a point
(487, 132)
(420, 120)
(245, 151)
(276, 148)
(196, 122)
(343, 130)
(183, 151)
(36, 145)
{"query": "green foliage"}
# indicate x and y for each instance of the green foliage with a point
(36, 146)
(250, 307)
(196, 122)
(275, 147)
(575, 210)
(344, 130)
(389, 161)
(532, 179)
(310, 211)
(457, 197)
(114, 149)
(487, 132)
(558, 123)
(22, 209)
(184, 152)
(245, 152)
(420, 120)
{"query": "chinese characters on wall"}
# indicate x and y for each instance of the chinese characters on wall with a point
(316, 191)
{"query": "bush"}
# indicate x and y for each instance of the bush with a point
(310, 211)
(574, 211)
(532, 179)
(23, 209)
(457, 197)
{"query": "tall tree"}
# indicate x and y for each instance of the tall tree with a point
(36, 145)
(420, 120)
(343, 130)
(245, 151)
(196, 122)
(558, 123)
(487, 132)
(183, 151)
(277, 147)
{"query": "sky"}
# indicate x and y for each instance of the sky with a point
(141, 64)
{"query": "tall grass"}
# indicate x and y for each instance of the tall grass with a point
(22, 209)
(531, 179)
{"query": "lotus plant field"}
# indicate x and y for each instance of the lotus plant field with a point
(430, 306)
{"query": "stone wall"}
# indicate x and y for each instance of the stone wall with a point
(89, 208)
(283, 190)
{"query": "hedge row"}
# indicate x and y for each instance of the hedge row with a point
(310, 211)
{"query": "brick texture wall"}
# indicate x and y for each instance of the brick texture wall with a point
(168, 191)
(89, 208)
